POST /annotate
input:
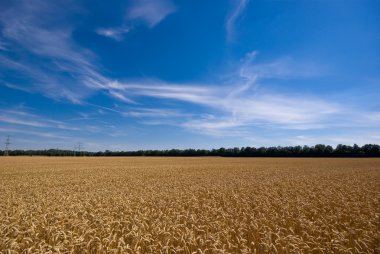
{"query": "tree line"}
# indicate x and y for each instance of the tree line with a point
(320, 150)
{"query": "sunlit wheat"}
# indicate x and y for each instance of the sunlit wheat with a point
(189, 205)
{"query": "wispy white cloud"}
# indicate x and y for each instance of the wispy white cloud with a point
(120, 96)
(103, 107)
(44, 134)
(194, 93)
(285, 68)
(249, 78)
(20, 123)
(235, 106)
(238, 103)
(15, 120)
(60, 69)
(216, 126)
(236, 12)
(373, 117)
(116, 33)
(151, 12)
(239, 109)
(24, 118)
(153, 113)
(268, 111)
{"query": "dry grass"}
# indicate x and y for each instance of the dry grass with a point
(189, 205)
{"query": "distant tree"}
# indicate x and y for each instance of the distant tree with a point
(329, 150)
(319, 150)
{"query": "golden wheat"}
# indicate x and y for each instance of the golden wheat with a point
(189, 205)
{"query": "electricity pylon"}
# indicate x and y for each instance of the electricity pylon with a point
(7, 144)
(78, 148)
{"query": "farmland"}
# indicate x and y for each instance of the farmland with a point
(189, 205)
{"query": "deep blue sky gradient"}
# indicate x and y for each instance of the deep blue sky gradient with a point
(159, 74)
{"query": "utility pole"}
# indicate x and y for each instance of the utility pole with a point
(7, 144)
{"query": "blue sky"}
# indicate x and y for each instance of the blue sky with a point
(159, 74)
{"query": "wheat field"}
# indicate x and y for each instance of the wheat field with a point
(189, 205)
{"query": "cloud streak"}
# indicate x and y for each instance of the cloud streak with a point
(238, 109)
(115, 33)
(60, 69)
(238, 106)
(238, 103)
(236, 12)
(151, 12)
(24, 118)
